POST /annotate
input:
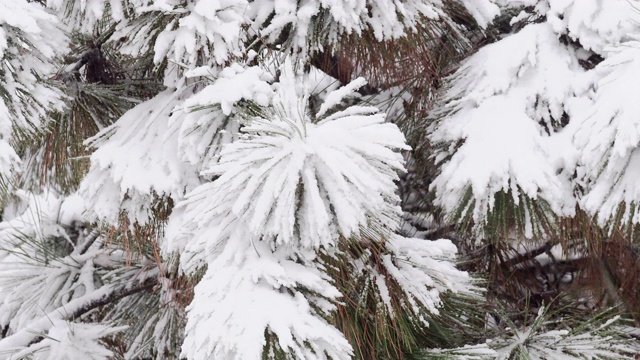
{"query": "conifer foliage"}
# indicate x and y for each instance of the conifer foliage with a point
(31, 40)
(275, 179)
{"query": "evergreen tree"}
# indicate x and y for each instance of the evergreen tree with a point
(528, 138)
(237, 179)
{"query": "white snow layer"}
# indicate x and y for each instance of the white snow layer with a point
(30, 42)
(84, 15)
(607, 134)
(67, 340)
(499, 128)
(495, 104)
(158, 148)
(286, 189)
(344, 166)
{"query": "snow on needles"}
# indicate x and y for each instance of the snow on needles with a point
(212, 28)
(292, 186)
(494, 104)
(539, 112)
(162, 155)
(303, 183)
(250, 289)
(596, 24)
(387, 19)
(215, 30)
(503, 125)
(66, 340)
(30, 41)
(136, 159)
(607, 133)
(84, 15)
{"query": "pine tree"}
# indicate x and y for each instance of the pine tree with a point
(236, 179)
(534, 147)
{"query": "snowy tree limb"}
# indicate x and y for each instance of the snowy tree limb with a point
(90, 239)
(74, 309)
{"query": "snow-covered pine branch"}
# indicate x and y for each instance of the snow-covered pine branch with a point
(69, 340)
(315, 25)
(53, 272)
(496, 130)
(286, 188)
(84, 15)
(606, 133)
(31, 40)
(210, 33)
(253, 208)
(183, 131)
(294, 186)
(501, 127)
(549, 338)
